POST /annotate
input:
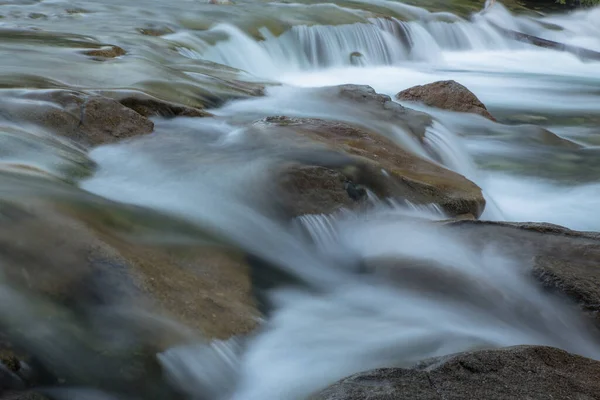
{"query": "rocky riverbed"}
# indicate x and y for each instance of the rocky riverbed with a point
(264, 200)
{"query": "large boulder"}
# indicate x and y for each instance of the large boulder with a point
(88, 257)
(447, 95)
(523, 372)
(351, 160)
(92, 290)
(77, 249)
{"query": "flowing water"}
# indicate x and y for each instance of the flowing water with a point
(215, 176)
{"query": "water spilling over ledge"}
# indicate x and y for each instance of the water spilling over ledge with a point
(255, 200)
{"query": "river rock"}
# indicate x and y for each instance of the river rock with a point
(107, 286)
(86, 254)
(522, 372)
(87, 119)
(149, 106)
(564, 261)
(105, 52)
(318, 190)
(364, 99)
(447, 95)
(91, 119)
(358, 160)
(154, 30)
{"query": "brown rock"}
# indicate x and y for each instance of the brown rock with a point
(79, 256)
(148, 106)
(448, 95)
(106, 52)
(155, 31)
(96, 299)
(316, 190)
(522, 372)
(106, 121)
(366, 159)
(87, 119)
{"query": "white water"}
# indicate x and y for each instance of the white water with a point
(475, 300)
(478, 298)
(450, 296)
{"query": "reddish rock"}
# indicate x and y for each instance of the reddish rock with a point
(448, 95)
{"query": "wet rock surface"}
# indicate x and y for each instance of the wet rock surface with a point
(562, 260)
(87, 119)
(523, 372)
(148, 106)
(448, 95)
(365, 98)
(375, 163)
(105, 52)
(85, 258)
(84, 276)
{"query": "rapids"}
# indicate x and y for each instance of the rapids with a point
(210, 173)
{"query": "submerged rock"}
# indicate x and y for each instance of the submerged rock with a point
(380, 106)
(108, 286)
(358, 160)
(562, 260)
(448, 95)
(522, 372)
(83, 251)
(149, 106)
(155, 30)
(105, 52)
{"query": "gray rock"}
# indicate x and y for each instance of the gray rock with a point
(381, 106)
(522, 372)
(564, 261)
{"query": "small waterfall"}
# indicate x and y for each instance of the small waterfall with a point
(453, 155)
(451, 152)
(462, 35)
(426, 293)
(325, 46)
(381, 41)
